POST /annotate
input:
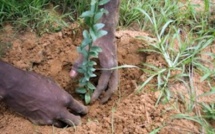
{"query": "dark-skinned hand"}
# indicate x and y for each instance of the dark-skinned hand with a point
(38, 98)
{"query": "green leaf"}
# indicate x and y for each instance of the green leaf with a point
(93, 6)
(90, 86)
(205, 76)
(98, 26)
(95, 49)
(104, 11)
(81, 90)
(101, 33)
(93, 2)
(86, 42)
(87, 14)
(87, 39)
(92, 69)
(155, 131)
(87, 98)
(93, 54)
(84, 80)
(103, 2)
(91, 63)
(82, 51)
(93, 34)
(86, 34)
(84, 63)
(91, 74)
(98, 16)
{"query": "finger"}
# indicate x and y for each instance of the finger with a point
(76, 107)
(70, 119)
(73, 73)
(2, 93)
(76, 65)
(59, 124)
(113, 84)
(38, 118)
(102, 84)
(1, 97)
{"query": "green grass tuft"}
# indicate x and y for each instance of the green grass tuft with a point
(40, 15)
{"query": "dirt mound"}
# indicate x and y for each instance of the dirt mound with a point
(127, 112)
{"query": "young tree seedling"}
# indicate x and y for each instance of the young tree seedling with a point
(88, 50)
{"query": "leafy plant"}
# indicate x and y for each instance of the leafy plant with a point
(38, 15)
(182, 37)
(76, 7)
(209, 110)
(87, 49)
(186, 55)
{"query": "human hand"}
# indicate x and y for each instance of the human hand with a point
(38, 98)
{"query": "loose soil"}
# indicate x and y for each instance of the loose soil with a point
(128, 112)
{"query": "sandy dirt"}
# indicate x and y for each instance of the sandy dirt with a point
(128, 112)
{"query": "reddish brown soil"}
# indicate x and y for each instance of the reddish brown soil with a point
(126, 113)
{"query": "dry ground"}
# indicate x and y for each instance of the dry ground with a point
(126, 113)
